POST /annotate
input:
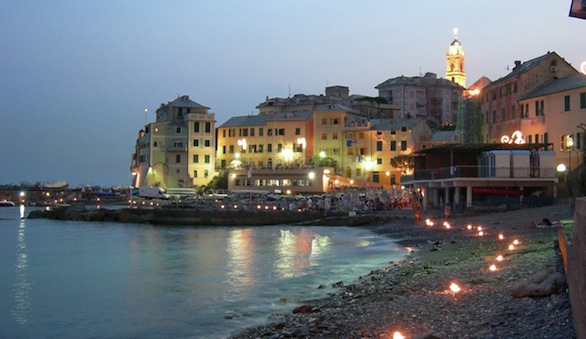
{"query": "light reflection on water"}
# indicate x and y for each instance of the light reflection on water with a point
(22, 283)
(112, 280)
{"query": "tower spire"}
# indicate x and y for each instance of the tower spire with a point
(455, 58)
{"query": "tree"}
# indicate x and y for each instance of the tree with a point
(317, 161)
(220, 181)
(404, 162)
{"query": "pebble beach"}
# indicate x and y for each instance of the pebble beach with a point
(414, 299)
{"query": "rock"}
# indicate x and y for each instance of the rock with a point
(338, 284)
(542, 283)
(304, 309)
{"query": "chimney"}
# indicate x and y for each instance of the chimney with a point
(517, 64)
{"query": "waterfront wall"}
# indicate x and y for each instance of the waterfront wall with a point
(577, 269)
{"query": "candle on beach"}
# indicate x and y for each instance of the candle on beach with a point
(455, 288)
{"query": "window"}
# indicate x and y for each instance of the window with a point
(583, 100)
(223, 163)
(513, 111)
(379, 161)
(362, 151)
(335, 136)
(155, 143)
(195, 174)
(494, 116)
(178, 158)
(334, 121)
(375, 177)
(404, 145)
(206, 158)
(393, 132)
(280, 131)
(261, 131)
(403, 128)
(361, 135)
(208, 127)
(566, 103)
(224, 149)
(379, 146)
(180, 112)
(335, 151)
(223, 133)
(207, 143)
(178, 130)
(324, 136)
(270, 132)
(196, 158)
(324, 121)
(545, 138)
(297, 131)
(251, 131)
(393, 145)
(269, 148)
(279, 148)
(529, 139)
(195, 142)
(196, 127)
(503, 114)
(231, 149)
(260, 148)
(206, 173)
(358, 172)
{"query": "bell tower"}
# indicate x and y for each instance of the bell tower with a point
(455, 60)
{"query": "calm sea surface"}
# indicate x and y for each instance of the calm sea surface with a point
(75, 279)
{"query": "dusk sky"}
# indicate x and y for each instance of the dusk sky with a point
(76, 76)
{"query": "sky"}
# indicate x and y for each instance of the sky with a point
(77, 76)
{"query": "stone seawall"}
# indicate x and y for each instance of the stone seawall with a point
(577, 269)
(183, 217)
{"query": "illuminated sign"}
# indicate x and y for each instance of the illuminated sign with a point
(515, 138)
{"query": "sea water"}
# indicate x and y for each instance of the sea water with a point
(89, 279)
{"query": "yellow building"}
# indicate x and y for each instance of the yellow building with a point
(556, 113)
(455, 62)
(177, 150)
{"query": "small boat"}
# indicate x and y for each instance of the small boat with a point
(7, 203)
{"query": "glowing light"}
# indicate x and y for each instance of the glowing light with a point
(492, 268)
(233, 175)
(322, 154)
(398, 335)
(516, 242)
(222, 206)
(515, 138)
(351, 182)
(288, 192)
(336, 181)
(455, 288)
(428, 222)
(447, 225)
(511, 247)
(258, 207)
(326, 171)
(501, 236)
(288, 154)
(469, 227)
(479, 228)
(481, 233)
(387, 173)
(499, 258)
(561, 168)
(235, 206)
(311, 175)
(237, 155)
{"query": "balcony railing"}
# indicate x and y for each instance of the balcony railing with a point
(483, 172)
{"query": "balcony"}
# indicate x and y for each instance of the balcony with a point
(483, 172)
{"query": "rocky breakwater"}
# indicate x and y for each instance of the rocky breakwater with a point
(212, 217)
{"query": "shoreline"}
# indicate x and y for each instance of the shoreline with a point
(413, 296)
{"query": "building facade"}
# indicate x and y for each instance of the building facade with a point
(177, 150)
(556, 113)
(501, 110)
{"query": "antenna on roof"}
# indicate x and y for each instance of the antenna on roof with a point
(289, 91)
